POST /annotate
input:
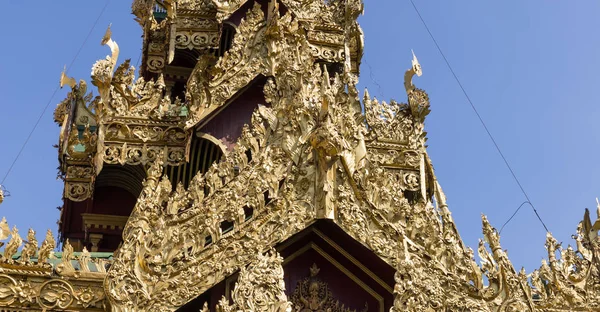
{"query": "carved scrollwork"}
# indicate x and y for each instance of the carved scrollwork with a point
(196, 39)
(329, 54)
(56, 294)
(260, 287)
(29, 282)
(122, 130)
(79, 182)
(12, 291)
(309, 153)
(135, 154)
(78, 191)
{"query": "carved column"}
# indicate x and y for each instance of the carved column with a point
(95, 239)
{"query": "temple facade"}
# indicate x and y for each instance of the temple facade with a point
(240, 169)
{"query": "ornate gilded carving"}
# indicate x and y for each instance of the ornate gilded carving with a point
(123, 96)
(51, 294)
(30, 282)
(312, 294)
(190, 39)
(309, 152)
(79, 182)
(129, 122)
(211, 86)
(78, 139)
(260, 287)
(303, 147)
(47, 246)
(31, 247)
(399, 122)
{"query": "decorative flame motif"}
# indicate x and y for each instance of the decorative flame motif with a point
(29, 281)
(309, 153)
(260, 287)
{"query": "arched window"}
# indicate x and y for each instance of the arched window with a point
(116, 191)
(203, 153)
(125, 180)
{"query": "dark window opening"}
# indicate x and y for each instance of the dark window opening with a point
(203, 153)
(178, 91)
(268, 198)
(412, 196)
(249, 155)
(159, 12)
(207, 240)
(227, 34)
(332, 68)
(226, 226)
(248, 213)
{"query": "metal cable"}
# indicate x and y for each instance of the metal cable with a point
(52, 96)
(482, 122)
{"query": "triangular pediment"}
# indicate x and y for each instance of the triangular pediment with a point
(308, 162)
(308, 156)
(350, 277)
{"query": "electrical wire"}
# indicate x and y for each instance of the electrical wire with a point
(513, 215)
(482, 122)
(35, 125)
(371, 75)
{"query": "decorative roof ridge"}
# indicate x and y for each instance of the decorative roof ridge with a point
(319, 116)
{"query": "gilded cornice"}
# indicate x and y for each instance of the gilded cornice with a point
(314, 155)
(100, 221)
(35, 279)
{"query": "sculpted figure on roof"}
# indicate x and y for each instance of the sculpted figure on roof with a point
(312, 150)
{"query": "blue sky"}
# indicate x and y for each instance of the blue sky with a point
(530, 67)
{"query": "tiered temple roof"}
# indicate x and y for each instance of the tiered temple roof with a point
(311, 154)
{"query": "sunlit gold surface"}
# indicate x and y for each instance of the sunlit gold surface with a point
(316, 154)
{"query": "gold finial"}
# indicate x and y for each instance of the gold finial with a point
(114, 47)
(415, 69)
(65, 80)
(107, 35)
(415, 65)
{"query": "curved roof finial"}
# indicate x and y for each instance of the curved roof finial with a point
(414, 70)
